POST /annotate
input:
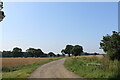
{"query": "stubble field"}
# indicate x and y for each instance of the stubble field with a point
(17, 62)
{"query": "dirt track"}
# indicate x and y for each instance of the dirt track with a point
(54, 69)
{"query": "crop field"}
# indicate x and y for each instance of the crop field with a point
(17, 62)
(22, 67)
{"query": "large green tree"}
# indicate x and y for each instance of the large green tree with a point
(68, 49)
(77, 50)
(51, 54)
(111, 45)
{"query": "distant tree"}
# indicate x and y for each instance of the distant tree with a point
(63, 52)
(26, 54)
(32, 52)
(16, 49)
(95, 53)
(17, 52)
(38, 53)
(111, 45)
(77, 50)
(7, 54)
(51, 54)
(68, 49)
(58, 55)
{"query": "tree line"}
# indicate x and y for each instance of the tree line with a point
(76, 50)
(31, 52)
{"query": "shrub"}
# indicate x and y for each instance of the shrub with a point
(111, 45)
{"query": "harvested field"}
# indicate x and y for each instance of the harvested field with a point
(17, 62)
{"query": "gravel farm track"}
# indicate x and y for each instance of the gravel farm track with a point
(54, 69)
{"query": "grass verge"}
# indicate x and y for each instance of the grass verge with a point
(107, 69)
(24, 71)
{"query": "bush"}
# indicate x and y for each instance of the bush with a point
(111, 45)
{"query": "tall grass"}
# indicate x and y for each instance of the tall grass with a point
(107, 69)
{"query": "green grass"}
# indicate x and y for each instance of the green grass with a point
(24, 71)
(108, 69)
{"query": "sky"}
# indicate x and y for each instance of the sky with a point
(51, 26)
